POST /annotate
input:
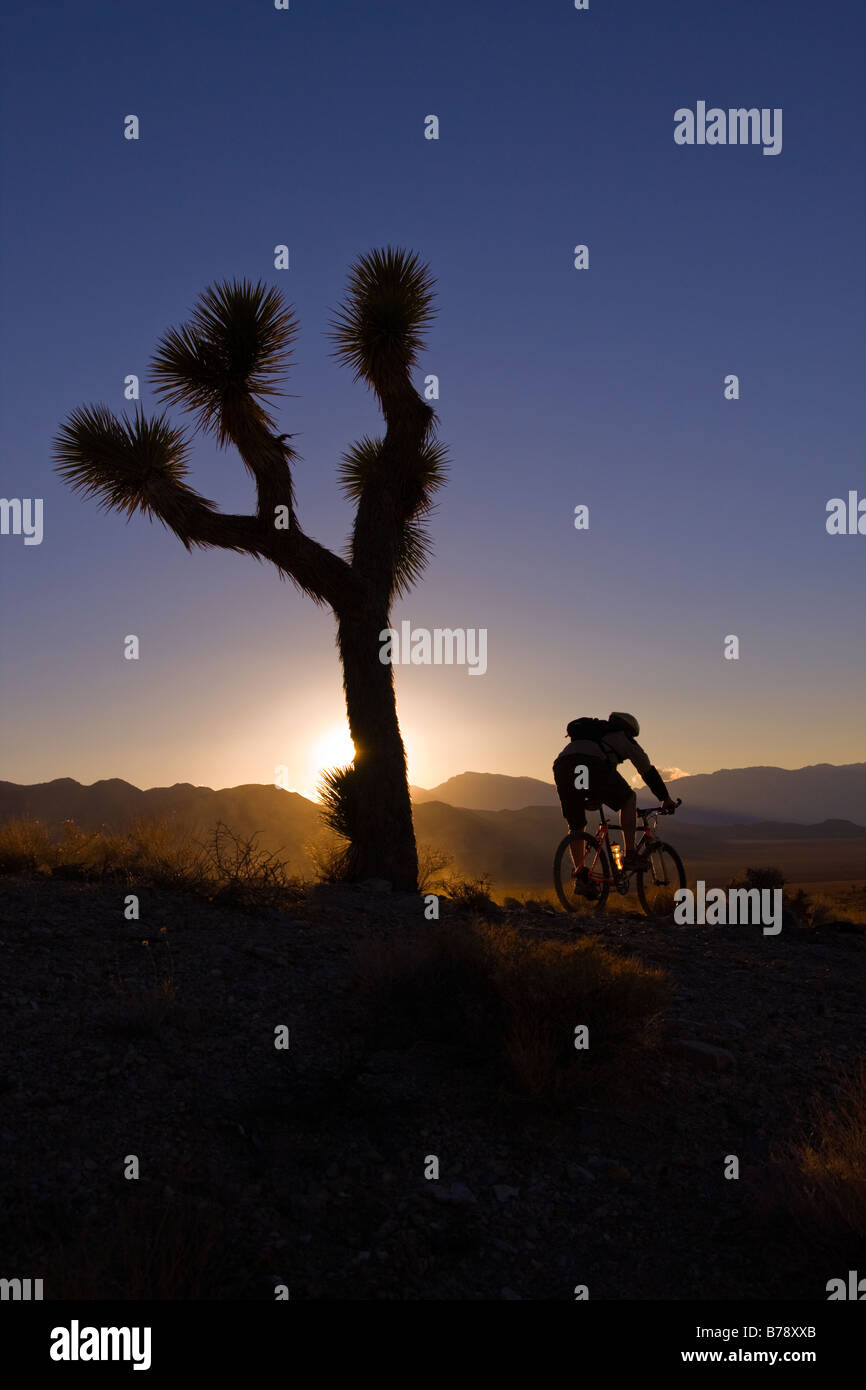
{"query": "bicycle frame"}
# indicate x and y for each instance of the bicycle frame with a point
(602, 835)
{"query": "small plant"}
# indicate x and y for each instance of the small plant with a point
(431, 862)
(329, 858)
(245, 875)
(471, 894)
(800, 905)
(26, 847)
(762, 878)
(826, 1170)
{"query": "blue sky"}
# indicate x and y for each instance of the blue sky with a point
(558, 386)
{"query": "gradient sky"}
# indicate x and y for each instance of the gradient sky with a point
(558, 387)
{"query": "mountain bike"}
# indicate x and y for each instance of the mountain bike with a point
(658, 875)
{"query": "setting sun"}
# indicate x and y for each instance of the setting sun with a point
(333, 748)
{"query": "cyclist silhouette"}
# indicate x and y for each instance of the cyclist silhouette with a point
(590, 759)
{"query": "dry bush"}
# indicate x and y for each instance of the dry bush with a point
(228, 867)
(26, 847)
(513, 1000)
(470, 894)
(825, 1171)
(328, 855)
(431, 862)
(151, 851)
(767, 877)
(240, 872)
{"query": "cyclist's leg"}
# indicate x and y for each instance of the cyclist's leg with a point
(573, 805)
(576, 826)
(628, 824)
(616, 793)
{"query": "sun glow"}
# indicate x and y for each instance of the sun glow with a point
(333, 748)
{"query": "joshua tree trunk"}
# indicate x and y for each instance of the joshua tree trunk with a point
(383, 838)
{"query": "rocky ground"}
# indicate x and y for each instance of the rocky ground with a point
(305, 1166)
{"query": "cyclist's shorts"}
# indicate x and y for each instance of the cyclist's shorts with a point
(605, 786)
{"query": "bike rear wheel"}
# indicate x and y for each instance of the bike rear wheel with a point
(658, 879)
(597, 866)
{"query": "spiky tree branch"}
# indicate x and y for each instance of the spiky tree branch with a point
(220, 366)
(379, 330)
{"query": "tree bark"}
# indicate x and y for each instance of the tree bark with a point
(384, 838)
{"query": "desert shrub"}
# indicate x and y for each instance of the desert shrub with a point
(329, 857)
(431, 862)
(470, 894)
(25, 847)
(825, 1170)
(853, 902)
(512, 1000)
(822, 910)
(818, 909)
(760, 878)
(228, 866)
(244, 874)
(800, 905)
(151, 851)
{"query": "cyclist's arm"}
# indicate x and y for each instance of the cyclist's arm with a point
(655, 782)
(639, 758)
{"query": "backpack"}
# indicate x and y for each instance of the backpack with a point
(592, 729)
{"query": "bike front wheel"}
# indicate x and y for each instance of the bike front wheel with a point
(596, 865)
(658, 879)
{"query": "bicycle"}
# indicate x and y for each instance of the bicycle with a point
(659, 872)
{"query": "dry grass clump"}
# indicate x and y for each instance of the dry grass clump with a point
(227, 866)
(825, 1169)
(514, 1000)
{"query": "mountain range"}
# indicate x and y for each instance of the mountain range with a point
(807, 822)
(732, 796)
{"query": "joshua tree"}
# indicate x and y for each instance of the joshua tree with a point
(224, 365)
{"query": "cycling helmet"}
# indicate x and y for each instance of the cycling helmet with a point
(628, 722)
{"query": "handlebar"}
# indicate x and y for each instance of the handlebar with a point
(658, 810)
